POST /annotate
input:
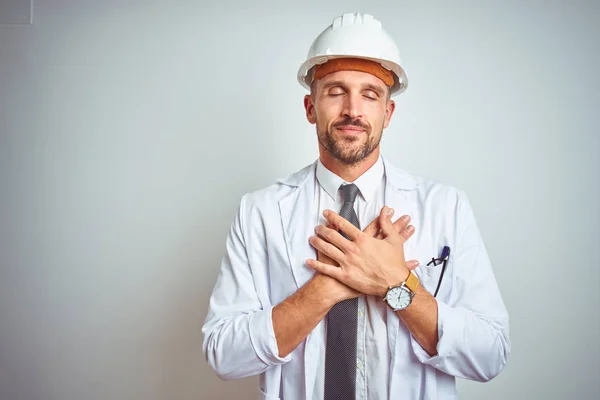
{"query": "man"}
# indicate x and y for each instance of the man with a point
(300, 296)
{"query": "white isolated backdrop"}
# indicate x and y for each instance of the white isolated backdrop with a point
(130, 130)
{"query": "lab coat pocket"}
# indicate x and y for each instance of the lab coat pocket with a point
(429, 276)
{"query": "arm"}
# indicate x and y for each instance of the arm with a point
(472, 325)
(238, 329)
(421, 320)
(297, 316)
(469, 335)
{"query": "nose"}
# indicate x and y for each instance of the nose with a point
(352, 106)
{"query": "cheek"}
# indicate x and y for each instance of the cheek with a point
(326, 115)
(377, 120)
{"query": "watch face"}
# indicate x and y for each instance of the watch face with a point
(398, 297)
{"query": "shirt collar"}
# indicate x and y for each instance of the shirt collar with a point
(367, 183)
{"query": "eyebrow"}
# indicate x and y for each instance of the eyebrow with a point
(375, 88)
(366, 86)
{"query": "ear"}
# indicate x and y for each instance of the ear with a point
(389, 111)
(309, 106)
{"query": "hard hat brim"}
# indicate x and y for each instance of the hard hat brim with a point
(305, 71)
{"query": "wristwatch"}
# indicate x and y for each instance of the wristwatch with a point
(399, 297)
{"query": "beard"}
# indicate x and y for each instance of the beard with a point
(349, 150)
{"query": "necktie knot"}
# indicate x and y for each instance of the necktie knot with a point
(349, 192)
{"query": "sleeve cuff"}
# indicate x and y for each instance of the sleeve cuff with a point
(262, 336)
(449, 328)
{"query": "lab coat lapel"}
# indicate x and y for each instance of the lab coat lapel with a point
(299, 217)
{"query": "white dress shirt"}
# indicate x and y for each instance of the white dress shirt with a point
(372, 353)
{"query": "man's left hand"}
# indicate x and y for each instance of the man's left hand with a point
(366, 264)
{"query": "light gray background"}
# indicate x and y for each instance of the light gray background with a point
(130, 130)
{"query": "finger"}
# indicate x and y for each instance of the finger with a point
(334, 237)
(331, 226)
(343, 224)
(326, 259)
(374, 229)
(407, 232)
(334, 272)
(400, 226)
(412, 264)
(326, 248)
(402, 222)
(387, 227)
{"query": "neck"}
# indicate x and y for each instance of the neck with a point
(348, 172)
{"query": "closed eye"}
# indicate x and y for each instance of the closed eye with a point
(336, 92)
(371, 95)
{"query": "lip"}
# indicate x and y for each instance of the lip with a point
(350, 129)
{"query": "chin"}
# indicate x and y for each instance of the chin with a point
(351, 158)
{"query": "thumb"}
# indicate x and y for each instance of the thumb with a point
(387, 228)
(412, 264)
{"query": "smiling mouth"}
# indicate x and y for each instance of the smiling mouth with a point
(350, 128)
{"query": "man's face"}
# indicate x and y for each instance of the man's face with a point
(350, 110)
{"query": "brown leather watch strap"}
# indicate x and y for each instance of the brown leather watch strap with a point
(412, 282)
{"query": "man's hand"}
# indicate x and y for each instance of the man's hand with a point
(336, 290)
(339, 289)
(295, 317)
(374, 229)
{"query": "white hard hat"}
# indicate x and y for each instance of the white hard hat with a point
(355, 36)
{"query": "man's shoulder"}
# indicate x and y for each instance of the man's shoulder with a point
(402, 179)
(430, 185)
(428, 188)
(281, 188)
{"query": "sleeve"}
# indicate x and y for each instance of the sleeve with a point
(239, 339)
(473, 341)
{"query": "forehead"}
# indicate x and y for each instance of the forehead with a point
(352, 79)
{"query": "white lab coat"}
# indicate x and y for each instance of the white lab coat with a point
(264, 264)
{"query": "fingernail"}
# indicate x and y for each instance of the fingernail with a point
(410, 228)
(326, 213)
(405, 218)
(389, 211)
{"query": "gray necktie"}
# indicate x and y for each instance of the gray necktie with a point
(340, 351)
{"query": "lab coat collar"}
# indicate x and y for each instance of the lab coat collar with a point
(396, 177)
(367, 183)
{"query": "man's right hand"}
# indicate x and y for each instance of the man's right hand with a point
(338, 291)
